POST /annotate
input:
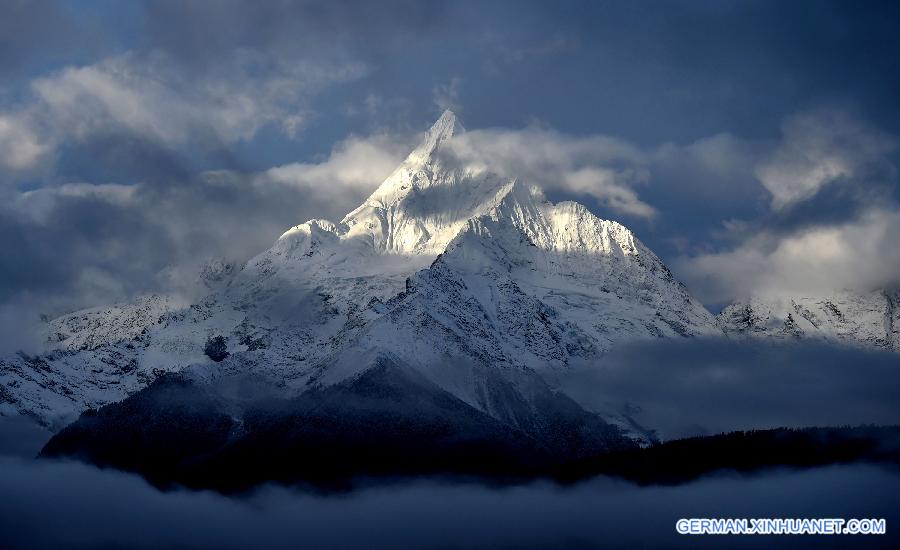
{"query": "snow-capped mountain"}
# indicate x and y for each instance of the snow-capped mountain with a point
(461, 272)
(868, 319)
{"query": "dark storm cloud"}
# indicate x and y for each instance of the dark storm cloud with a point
(61, 504)
(302, 27)
(87, 248)
(36, 32)
(644, 71)
(115, 155)
(91, 251)
(85, 231)
(697, 387)
(679, 71)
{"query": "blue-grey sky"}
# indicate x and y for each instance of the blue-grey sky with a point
(753, 145)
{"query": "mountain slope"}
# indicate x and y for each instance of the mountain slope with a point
(537, 285)
(389, 421)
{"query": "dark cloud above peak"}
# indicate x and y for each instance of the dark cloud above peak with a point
(303, 28)
(36, 33)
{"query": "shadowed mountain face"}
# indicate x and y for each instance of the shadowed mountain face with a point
(682, 460)
(389, 421)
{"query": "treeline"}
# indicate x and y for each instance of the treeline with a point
(682, 460)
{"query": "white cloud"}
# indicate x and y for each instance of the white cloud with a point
(860, 254)
(609, 188)
(356, 165)
(39, 203)
(148, 95)
(824, 147)
(20, 147)
(819, 148)
(601, 167)
(145, 95)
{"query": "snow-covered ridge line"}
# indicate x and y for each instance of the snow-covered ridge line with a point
(868, 319)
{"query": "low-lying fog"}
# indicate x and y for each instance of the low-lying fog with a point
(682, 389)
(49, 504)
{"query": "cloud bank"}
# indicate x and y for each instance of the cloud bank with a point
(600, 167)
(54, 504)
(858, 254)
(697, 387)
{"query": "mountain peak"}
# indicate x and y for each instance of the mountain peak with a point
(424, 201)
(446, 122)
(443, 129)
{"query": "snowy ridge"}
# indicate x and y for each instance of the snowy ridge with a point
(90, 329)
(864, 319)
